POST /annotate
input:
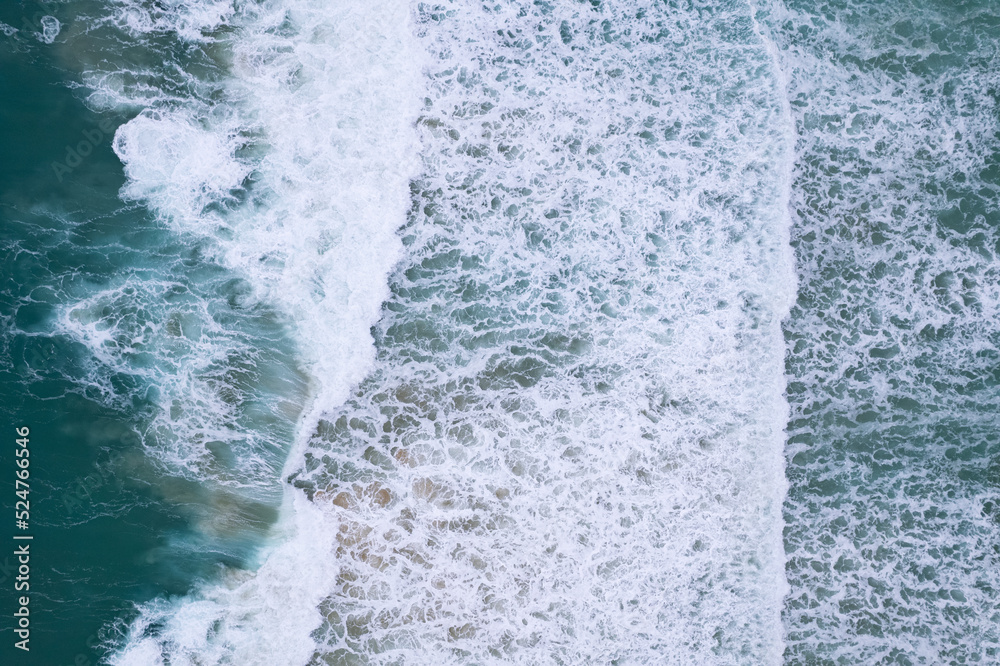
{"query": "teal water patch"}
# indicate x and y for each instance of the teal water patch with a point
(161, 398)
(892, 530)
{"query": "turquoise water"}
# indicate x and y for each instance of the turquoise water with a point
(116, 518)
(575, 332)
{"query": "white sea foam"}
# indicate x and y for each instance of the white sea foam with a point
(50, 30)
(293, 171)
(178, 166)
(165, 336)
(569, 449)
(329, 108)
(265, 618)
(192, 20)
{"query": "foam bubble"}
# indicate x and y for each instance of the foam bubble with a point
(50, 29)
(192, 20)
(178, 166)
(327, 161)
(265, 618)
(570, 446)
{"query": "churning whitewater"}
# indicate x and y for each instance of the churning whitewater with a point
(535, 261)
(493, 332)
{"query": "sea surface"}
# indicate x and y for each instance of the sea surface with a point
(555, 332)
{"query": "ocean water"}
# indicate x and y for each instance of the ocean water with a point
(161, 400)
(891, 519)
(603, 332)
